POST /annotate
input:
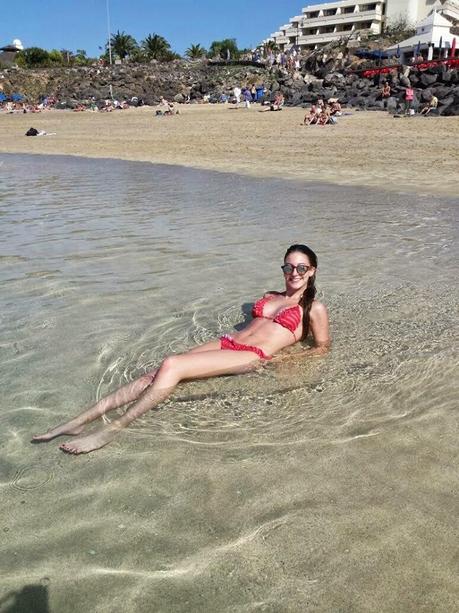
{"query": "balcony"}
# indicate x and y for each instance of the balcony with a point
(375, 15)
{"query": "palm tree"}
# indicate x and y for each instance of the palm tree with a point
(123, 44)
(194, 52)
(156, 47)
(224, 49)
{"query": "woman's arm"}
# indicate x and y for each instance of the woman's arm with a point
(320, 327)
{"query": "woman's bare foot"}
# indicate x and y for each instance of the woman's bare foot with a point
(91, 442)
(66, 429)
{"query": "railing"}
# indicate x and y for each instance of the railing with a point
(377, 12)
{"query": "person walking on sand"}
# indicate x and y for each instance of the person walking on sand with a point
(280, 319)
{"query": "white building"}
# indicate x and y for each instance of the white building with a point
(320, 24)
(429, 32)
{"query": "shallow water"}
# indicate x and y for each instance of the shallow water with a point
(323, 485)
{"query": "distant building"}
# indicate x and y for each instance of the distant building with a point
(320, 24)
(432, 31)
(8, 52)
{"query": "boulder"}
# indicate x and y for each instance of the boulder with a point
(441, 91)
(404, 81)
(356, 101)
(427, 79)
(444, 104)
(376, 105)
(452, 109)
(426, 95)
(391, 104)
(317, 85)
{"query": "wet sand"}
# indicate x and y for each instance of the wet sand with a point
(365, 148)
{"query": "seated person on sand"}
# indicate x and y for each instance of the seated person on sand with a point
(325, 117)
(166, 108)
(335, 107)
(279, 320)
(312, 117)
(278, 102)
(432, 104)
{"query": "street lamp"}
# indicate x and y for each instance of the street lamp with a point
(109, 43)
(109, 33)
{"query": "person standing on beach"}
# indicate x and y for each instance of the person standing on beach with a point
(409, 97)
(280, 319)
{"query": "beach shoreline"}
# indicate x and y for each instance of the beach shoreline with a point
(369, 148)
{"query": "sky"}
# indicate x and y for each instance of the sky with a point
(68, 24)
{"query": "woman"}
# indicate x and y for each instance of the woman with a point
(280, 319)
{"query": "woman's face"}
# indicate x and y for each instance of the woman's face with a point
(294, 280)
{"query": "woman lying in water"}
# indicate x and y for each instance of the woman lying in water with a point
(280, 319)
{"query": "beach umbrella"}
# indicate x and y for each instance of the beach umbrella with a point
(453, 48)
(440, 45)
(398, 51)
(418, 49)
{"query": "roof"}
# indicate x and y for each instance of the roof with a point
(434, 19)
(424, 39)
(9, 48)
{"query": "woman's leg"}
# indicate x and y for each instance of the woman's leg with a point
(196, 365)
(124, 395)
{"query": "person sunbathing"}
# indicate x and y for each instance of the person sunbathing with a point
(311, 117)
(432, 104)
(280, 319)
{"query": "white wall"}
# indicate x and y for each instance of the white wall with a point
(412, 10)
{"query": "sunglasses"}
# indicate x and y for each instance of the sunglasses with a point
(301, 269)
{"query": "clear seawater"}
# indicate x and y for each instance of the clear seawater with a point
(327, 484)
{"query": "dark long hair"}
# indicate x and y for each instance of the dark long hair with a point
(309, 293)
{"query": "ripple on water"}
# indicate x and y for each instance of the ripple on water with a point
(32, 477)
(393, 373)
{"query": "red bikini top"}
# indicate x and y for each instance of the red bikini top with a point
(289, 318)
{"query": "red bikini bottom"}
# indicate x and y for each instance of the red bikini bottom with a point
(228, 342)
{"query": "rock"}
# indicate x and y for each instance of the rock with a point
(452, 110)
(426, 95)
(377, 105)
(357, 101)
(444, 104)
(405, 81)
(317, 85)
(427, 79)
(333, 78)
(179, 98)
(391, 104)
(442, 91)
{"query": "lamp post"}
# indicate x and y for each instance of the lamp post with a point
(109, 43)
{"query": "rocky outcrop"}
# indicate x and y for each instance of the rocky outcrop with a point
(180, 80)
(174, 80)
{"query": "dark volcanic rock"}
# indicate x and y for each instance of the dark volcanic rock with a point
(427, 79)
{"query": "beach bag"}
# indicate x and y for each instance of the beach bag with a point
(31, 132)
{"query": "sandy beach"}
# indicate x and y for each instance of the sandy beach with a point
(365, 148)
